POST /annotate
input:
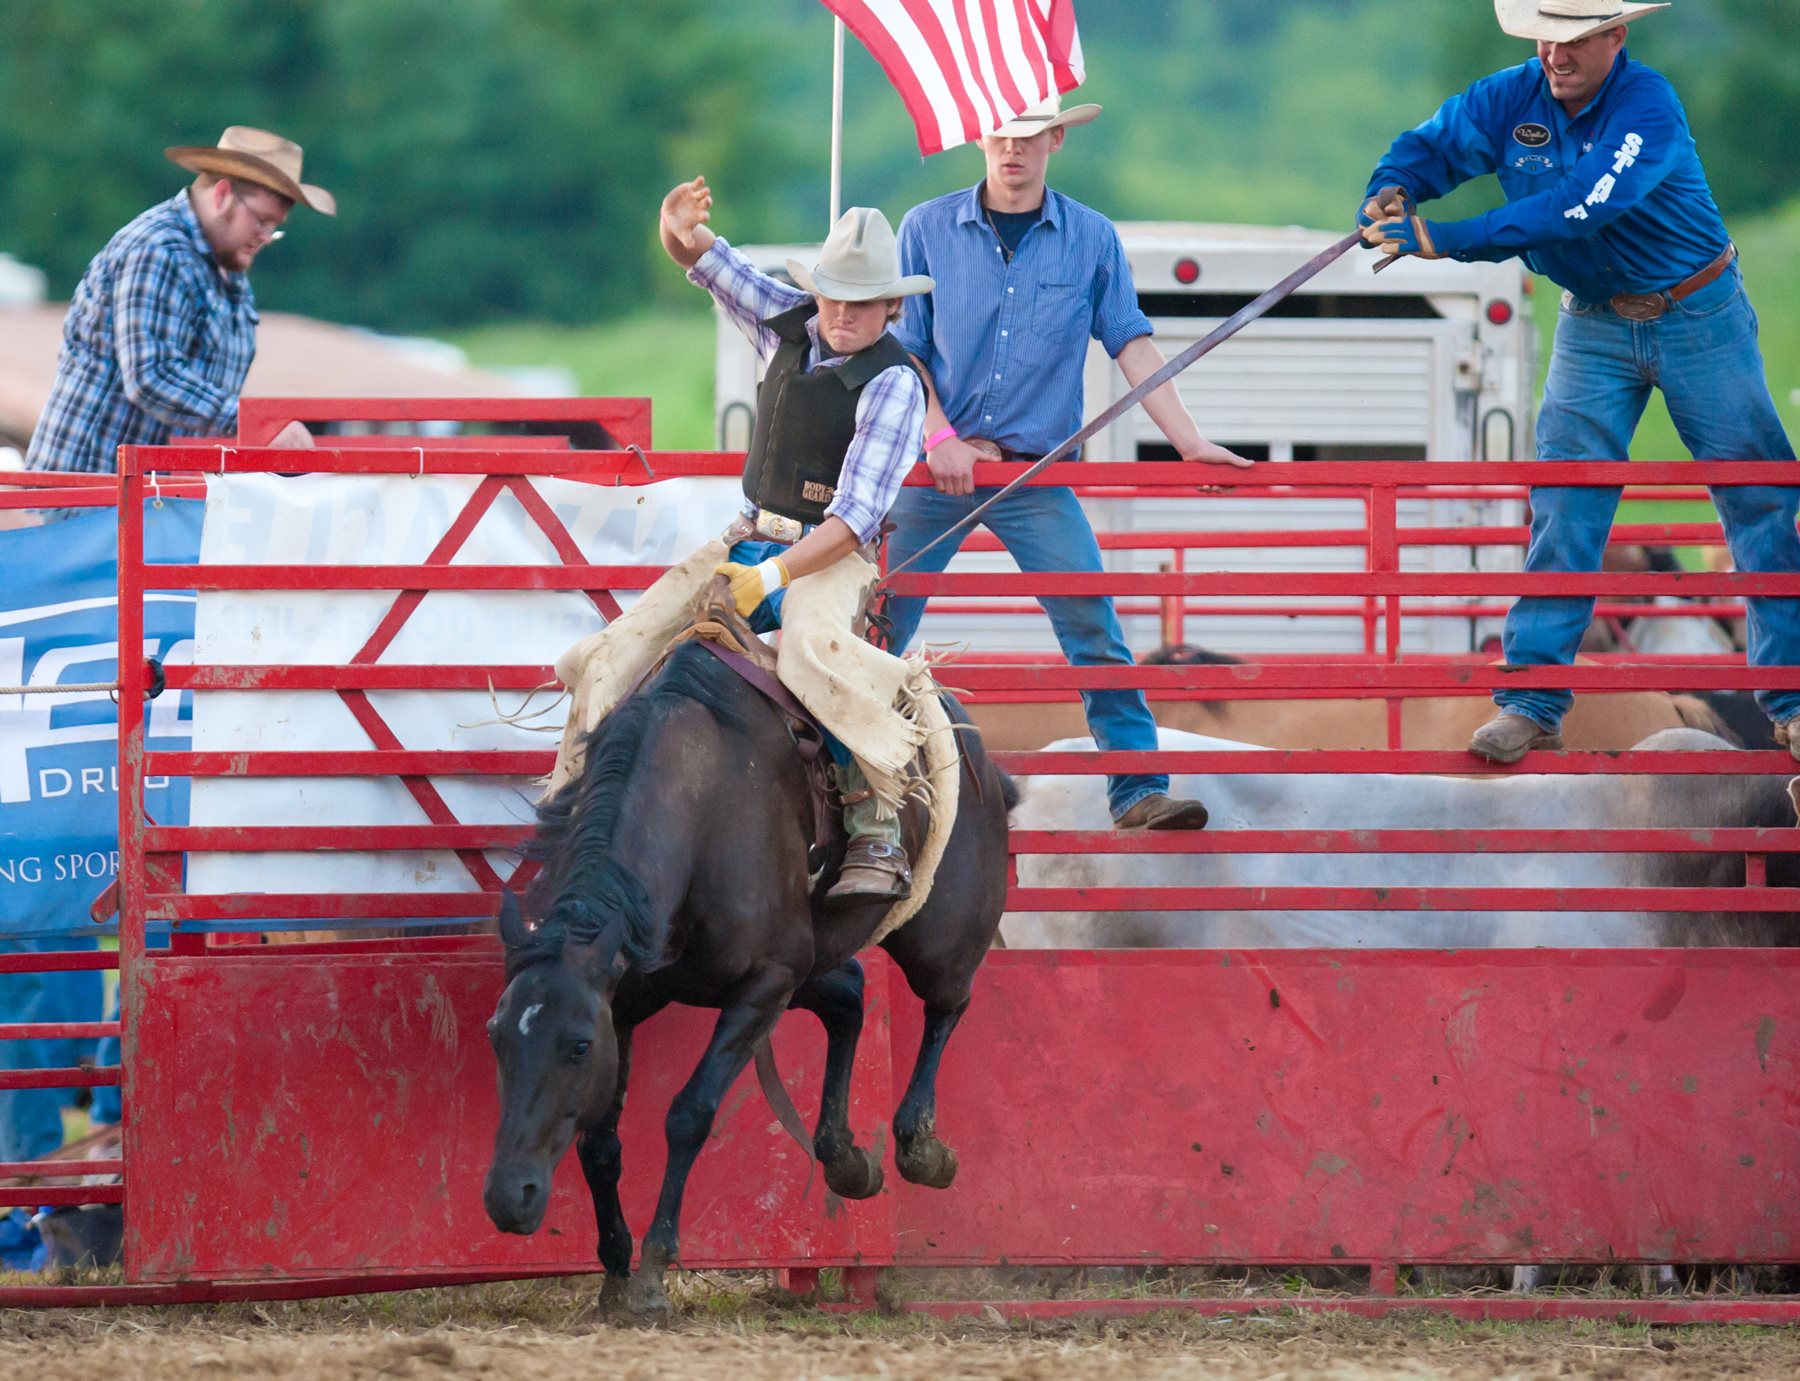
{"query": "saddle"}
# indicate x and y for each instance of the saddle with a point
(722, 631)
(719, 628)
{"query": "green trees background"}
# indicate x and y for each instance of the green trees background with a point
(499, 159)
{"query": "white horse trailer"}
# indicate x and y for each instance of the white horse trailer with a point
(1426, 361)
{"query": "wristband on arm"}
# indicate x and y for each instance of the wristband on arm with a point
(937, 438)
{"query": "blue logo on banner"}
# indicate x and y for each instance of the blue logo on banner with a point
(59, 802)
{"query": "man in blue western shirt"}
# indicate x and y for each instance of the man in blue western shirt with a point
(1604, 195)
(1025, 276)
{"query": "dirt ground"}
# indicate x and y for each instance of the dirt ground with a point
(525, 1332)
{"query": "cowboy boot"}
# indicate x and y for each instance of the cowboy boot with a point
(1507, 737)
(875, 865)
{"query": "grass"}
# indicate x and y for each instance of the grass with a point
(664, 355)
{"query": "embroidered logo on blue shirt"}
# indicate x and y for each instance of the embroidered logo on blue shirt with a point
(1534, 163)
(1532, 136)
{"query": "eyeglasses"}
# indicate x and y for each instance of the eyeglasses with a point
(270, 231)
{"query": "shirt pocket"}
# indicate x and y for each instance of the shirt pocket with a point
(1529, 174)
(209, 332)
(1061, 313)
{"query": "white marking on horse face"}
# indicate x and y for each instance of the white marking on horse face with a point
(529, 1016)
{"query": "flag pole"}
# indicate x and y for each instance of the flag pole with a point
(837, 120)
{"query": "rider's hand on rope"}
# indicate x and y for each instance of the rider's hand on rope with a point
(751, 585)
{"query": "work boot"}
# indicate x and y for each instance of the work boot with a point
(1508, 737)
(1163, 812)
(1785, 736)
(874, 870)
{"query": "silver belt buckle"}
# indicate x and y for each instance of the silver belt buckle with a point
(776, 528)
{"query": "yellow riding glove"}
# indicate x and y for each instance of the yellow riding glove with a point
(751, 585)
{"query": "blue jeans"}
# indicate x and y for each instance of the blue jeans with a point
(1045, 530)
(1703, 354)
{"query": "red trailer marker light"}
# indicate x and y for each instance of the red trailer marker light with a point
(1187, 271)
(1499, 312)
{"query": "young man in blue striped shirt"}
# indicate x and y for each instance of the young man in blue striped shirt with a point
(1025, 277)
(162, 327)
(840, 416)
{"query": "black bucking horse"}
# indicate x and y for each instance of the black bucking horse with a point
(676, 870)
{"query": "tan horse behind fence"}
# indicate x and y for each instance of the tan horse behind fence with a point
(1598, 722)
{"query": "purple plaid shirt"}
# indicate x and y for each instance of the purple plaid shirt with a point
(157, 342)
(890, 413)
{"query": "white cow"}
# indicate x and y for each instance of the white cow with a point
(1268, 801)
(1381, 801)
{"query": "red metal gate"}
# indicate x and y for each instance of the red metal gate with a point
(304, 1119)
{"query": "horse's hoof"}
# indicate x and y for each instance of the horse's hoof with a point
(854, 1175)
(613, 1296)
(928, 1162)
(647, 1303)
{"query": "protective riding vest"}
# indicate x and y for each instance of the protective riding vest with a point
(805, 421)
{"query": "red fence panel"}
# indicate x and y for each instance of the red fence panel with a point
(306, 1113)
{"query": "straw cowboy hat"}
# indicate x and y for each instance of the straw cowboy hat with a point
(859, 262)
(255, 155)
(1565, 21)
(1046, 114)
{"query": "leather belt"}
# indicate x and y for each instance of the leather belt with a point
(1006, 453)
(773, 527)
(1650, 306)
(760, 522)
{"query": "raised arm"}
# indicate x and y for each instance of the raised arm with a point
(683, 224)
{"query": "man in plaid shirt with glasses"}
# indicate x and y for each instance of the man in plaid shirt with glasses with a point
(162, 327)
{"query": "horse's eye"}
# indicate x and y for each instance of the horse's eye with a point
(578, 1051)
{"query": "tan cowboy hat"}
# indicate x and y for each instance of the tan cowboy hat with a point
(1566, 21)
(255, 155)
(859, 262)
(1046, 114)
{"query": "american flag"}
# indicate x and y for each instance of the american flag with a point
(965, 67)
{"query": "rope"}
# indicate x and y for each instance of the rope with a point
(76, 688)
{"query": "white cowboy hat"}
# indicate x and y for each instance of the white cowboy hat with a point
(859, 262)
(1566, 21)
(1046, 114)
(255, 155)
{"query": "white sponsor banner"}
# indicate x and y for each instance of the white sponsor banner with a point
(330, 520)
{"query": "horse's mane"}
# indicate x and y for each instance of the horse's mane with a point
(585, 893)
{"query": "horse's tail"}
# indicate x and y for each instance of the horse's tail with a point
(1009, 788)
(776, 1095)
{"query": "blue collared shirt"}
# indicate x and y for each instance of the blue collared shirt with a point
(890, 411)
(1006, 343)
(1610, 200)
(157, 342)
